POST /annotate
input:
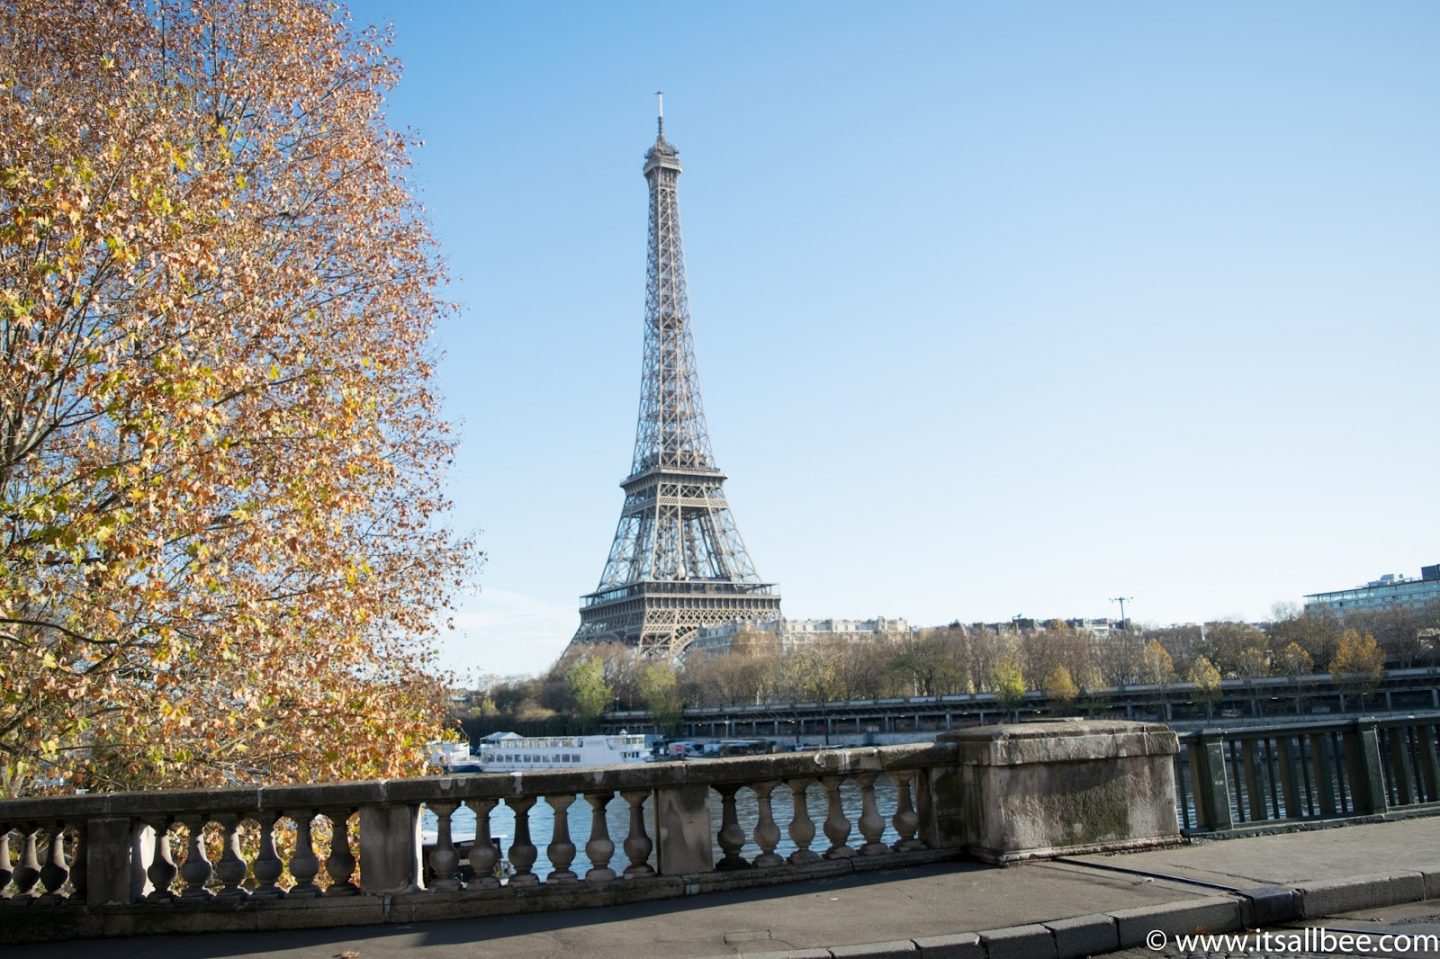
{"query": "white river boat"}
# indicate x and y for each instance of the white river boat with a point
(508, 752)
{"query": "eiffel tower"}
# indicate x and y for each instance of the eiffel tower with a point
(677, 562)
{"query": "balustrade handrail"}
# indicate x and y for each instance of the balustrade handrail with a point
(419, 789)
(1307, 726)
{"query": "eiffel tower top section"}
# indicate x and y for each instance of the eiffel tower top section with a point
(670, 432)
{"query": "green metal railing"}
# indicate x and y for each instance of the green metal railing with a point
(1239, 778)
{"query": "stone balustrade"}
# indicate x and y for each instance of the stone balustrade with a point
(251, 858)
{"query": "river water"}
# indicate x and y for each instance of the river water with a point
(617, 815)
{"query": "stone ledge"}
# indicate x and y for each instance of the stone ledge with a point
(960, 945)
(1432, 884)
(895, 949)
(1032, 941)
(1068, 740)
(1084, 936)
(1332, 897)
(1010, 857)
(1210, 914)
(382, 792)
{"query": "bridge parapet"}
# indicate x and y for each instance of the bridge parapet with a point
(1274, 777)
(389, 851)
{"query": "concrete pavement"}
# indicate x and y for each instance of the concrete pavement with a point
(1087, 904)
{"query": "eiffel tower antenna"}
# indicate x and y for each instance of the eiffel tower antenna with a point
(677, 562)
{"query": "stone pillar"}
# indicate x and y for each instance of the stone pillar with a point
(390, 849)
(1058, 788)
(108, 848)
(682, 830)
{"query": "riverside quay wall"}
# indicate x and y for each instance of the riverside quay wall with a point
(428, 848)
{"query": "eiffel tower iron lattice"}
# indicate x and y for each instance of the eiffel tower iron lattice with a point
(677, 562)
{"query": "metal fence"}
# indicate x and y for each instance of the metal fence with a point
(1265, 776)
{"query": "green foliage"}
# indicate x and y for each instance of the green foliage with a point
(591, 693)
(659, 689)
(1007, 680)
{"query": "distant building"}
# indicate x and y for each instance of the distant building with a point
(1101, 629)
(797, 632)
(1388, 591)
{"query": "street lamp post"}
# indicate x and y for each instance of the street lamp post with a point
(1122, 600)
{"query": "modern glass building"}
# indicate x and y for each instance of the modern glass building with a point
(1388, 591)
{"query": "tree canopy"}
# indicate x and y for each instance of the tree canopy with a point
(220, 454)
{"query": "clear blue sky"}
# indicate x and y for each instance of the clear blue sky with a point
(999, 307)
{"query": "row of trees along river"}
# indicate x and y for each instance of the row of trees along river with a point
(1006, 660)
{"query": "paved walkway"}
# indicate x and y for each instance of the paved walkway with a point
(935, 901)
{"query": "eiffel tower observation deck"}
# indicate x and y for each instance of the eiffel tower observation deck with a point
(677, 562)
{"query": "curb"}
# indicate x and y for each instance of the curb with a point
(1100, 933)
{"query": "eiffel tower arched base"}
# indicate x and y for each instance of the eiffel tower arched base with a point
(662, 618)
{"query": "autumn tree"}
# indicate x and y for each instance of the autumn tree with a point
(1237, 650)
(1007, 681)
(930, 663)
(1317, 633)
(1156, 666)
(1206, 679)
(1359, 662)
(220, 458)
(1294, 661)
(1060, 687)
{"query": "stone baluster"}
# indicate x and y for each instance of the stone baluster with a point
(872, 824)
(197, 868)
(767, 833)
(599, 849)
(802, 827)
(304, 865)
(443, 859)
(561, 850)
(906, 819)
(27, 872)
(231, 868)
(6, 869)
(55, 869)
(731, 837)
(340, 864)
(837, 827)
(161, 871)
(267, 866)
(637, 844)
(522, 851)
(483, 856)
